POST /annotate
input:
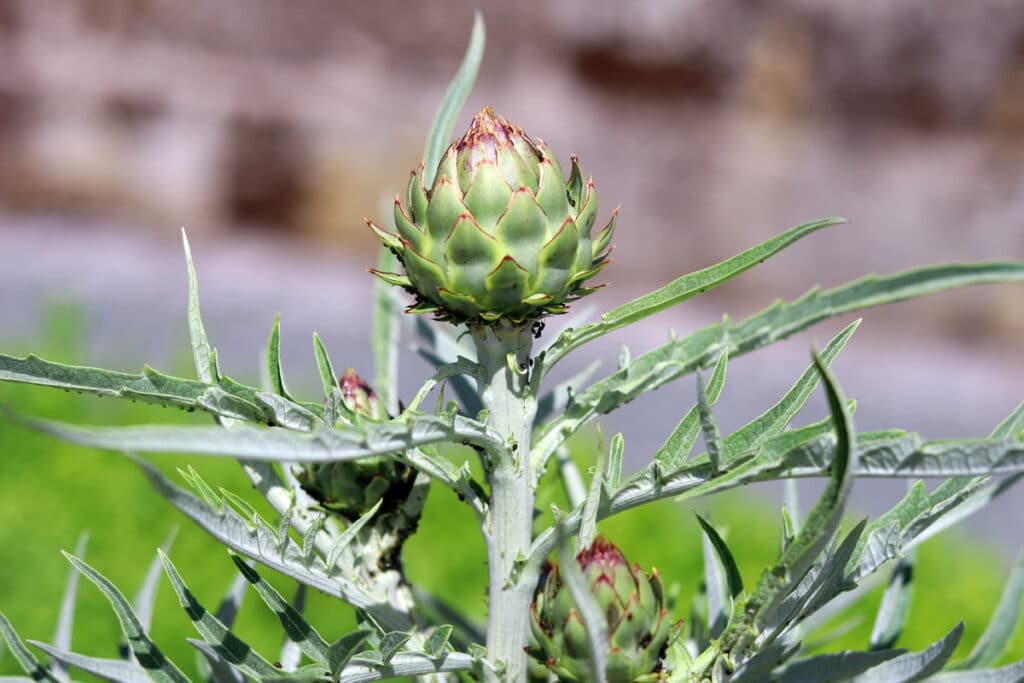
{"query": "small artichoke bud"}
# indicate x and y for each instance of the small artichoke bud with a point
(501, 234)
(350, 488)
(639, 628)
(359, 397)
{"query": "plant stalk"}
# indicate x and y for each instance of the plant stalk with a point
(503, 353)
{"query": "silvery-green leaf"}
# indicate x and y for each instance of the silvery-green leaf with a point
(722, 579)
(1011, 673)
(438, 641)
(454, 98)
(260, 543)
(274, 373)
(226, 644)
(116, 670)
(914, 666)
(287, 413)
(146, 596)
(25, 658)
(214, 668)
(708, 426)
(277, 444)
(147, 654)
(328, 377)
(65, 622)
(613, 468)
(295, 627)
(836, 666)
(149, 386)
(406, 664)
(201, 350)
(680, 442)
(391, 644)
(592, 502)
(892, 612)
(760, 608)
(343, 649)
(680, 289)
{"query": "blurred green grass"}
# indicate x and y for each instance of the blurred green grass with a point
(51, 491)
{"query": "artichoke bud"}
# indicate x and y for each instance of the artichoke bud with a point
(352, 487)
(359, 398)
(639, 627)
(501, 234)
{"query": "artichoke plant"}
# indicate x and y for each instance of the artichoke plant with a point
(639, 627)
(500, 234)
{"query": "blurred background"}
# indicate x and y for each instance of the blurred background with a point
(270, 129)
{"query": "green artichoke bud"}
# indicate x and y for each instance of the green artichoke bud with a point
(501, 234)
(350, 488)
(639, 628)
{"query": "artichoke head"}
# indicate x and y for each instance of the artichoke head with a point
(500, 234)
(350, 488)
(639, 627)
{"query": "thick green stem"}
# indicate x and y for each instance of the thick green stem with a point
(504, 357)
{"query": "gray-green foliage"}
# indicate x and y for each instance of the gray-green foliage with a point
(515, 425)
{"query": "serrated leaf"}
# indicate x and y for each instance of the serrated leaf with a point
(295, 627)
(914, 666)
(680, 442)
(708, 426)
(147, 654)
(146, 596)
(226, 644)
(260, 543)
(892, 612)
(761, 609)
(343, 649)
(613, 468)
(201, 350)
(651, 371)
(681, 289)
(717, 595)
(592, 502)
(836, 666)
(149, 386)
(65, 622)
(345, 538)
(438, 641)
(328, 378)
(391, 644)
(274, 373)
(407, 664)
(214, 667)
(26, 659)
(287, 413)
(1011, 673)
(776, 418)
(458, 90)
(734, 582)
(116, 670)
(276, 444)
